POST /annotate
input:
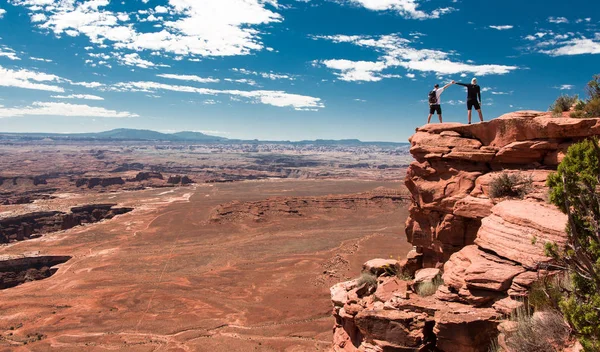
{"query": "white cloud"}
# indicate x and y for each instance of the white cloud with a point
(190, 27)
(8, 53)
(396, 52)
(250, 82)
(62, 109)
(565, 87)
(578, 46)
(134, 59)
(189, 78)
(275, 98)
(40, 59)
(78, 96)
(558, 20)
(502, 28)
(448, 67)
(268, 75)
(88, 84)
(28, 80)
(351, 71)
(2, 12)
(405, 8)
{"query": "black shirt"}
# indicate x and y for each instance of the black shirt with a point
(473, 91)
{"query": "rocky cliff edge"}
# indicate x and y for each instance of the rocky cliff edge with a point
(487, 251)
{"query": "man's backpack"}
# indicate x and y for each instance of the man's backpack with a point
(433, 97)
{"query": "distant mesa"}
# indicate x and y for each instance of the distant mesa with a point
(99, 181)
(179, 180)
(126, 134)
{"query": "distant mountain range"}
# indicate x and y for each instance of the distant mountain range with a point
(125, 134)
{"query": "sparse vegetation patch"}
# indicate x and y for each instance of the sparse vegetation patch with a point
(513, 185)
(563, 103)
(367, 278)
(428, 288)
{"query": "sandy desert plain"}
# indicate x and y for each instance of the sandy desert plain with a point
(145, 246)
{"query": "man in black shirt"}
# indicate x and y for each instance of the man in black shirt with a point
(473, 97)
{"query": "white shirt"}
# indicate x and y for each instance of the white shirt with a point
(438, 93)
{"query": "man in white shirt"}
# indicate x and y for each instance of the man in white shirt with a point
(435, 102)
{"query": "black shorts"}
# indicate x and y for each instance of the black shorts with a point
(473, 104)
(435, 108)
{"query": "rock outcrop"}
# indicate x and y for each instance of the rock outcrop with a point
(16, 270)
(179, 180)
(145, 176)
(301, 206)
(33, 225)
(454, 165)
(99, 181)
(490, 250)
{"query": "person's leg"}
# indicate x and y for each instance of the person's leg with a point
(480, 115)
(469, 115)
(440, 116)
(429, 118)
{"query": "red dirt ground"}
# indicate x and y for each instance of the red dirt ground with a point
(166, 278)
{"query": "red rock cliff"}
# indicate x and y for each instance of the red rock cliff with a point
(454, 164)
(487, 251)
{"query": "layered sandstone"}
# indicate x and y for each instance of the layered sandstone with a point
(16, 270)
(303, 206)
(489, 251)
(454, 164)
(32, 225)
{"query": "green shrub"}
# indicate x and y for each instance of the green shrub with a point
(573, 188)
(428, 288)
(513, 185)
(592, 108)
(563, 103)
(593, 88)
(583, 109)
(546, 293)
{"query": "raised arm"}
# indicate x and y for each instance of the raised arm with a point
(448, 85)
(462, 84)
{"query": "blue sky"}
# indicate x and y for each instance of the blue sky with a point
(284, 69)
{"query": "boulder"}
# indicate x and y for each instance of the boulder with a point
(339, 292)
(518, 230)
(401, 328)
(426, 275)
(507, 306)
(474, 208)
(467, 330)
(412, 263)
(378, 266)
(388, 286)
(472, 268)
(522, 283)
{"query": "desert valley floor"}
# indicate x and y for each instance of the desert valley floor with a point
(241, 266)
